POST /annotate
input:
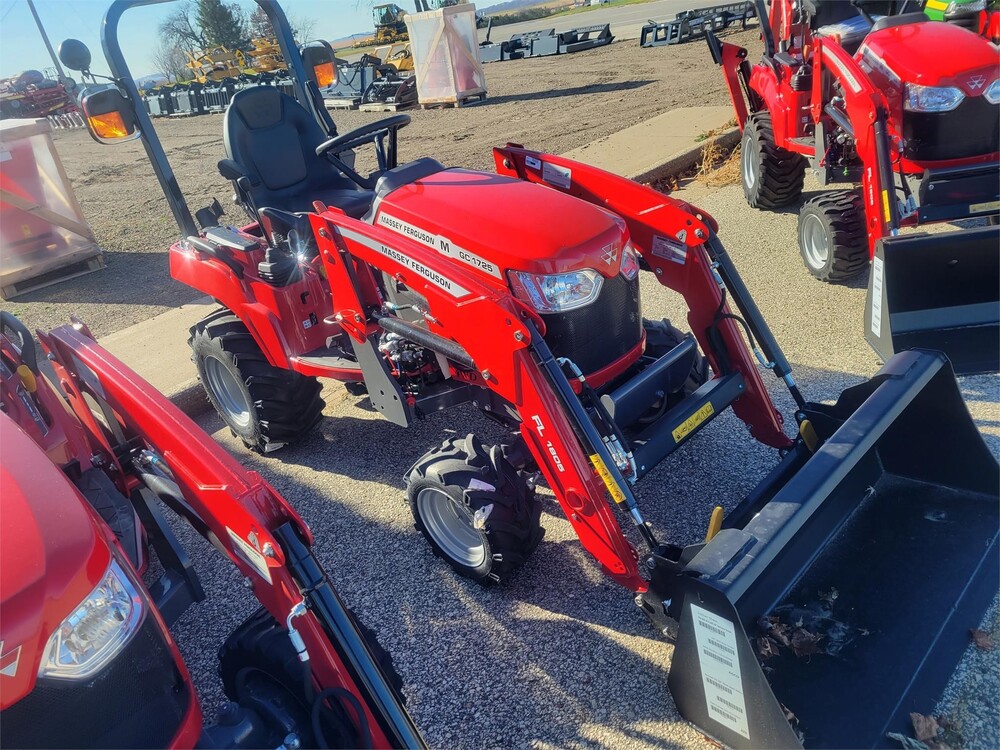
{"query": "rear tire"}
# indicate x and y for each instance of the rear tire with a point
(772, 176)
(832, 238)
(475, 509)
(266, 407)
(258, 663)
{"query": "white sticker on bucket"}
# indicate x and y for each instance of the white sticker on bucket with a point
(715, 638)
(877, 271)
(558, 176)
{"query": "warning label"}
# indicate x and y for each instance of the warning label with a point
(878, 269)
(720, 670)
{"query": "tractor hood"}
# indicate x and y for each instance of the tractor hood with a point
(493, 224)
(51, 557)
(914, 53)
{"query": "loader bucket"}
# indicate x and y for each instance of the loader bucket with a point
(848, 598)
(938, 291)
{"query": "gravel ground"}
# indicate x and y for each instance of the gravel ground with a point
(559, 657)
(554, 104)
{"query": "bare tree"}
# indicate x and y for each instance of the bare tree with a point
(260, 25)
(169, 59)
(179, 28)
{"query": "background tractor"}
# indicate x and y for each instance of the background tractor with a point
(517, 292)
(905, 114)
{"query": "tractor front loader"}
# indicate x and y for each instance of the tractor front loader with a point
(91, 469)
(426, 287)
(904, 112)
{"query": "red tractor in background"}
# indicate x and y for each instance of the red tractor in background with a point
(517, 292)
(905, 112)
(87, 660)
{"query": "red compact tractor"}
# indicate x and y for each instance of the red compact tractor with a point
(518, 292)
(87, 660)
(903, 112)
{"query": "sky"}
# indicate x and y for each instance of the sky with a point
(21, 46)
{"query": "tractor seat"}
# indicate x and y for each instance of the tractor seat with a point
(887, 22)
(273, 139)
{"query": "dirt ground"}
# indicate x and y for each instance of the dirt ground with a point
(553, 104)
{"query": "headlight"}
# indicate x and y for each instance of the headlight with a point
(992, 94)
(931, 98)
(96, 631)
(557, 292)
(974, 7)
(630, 262)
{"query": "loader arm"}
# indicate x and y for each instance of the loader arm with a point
(240, 513)
(674, 240)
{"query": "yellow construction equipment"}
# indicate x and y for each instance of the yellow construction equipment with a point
(214, 64)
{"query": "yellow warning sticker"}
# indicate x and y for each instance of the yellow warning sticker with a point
(885, 204)
(988, 206)
(937, 5)
(602, 471)
(690, 424)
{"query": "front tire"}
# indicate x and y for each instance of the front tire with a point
(260, 669)
(475, 509)
(832, 238)
(267, 407)
(772, 176)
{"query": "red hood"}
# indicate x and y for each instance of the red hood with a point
(936, 54)
(504, 223)
(51, 556)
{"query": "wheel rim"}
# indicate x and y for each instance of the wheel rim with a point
(451, 527)
(815, 241)
(229, 394)
(748, 164)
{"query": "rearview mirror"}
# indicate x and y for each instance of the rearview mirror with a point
(320, 63)
(110, 115)
(74, 55)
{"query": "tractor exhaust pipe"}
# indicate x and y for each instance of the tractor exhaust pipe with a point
(868, 567)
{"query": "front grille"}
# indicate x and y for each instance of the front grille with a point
(137, 701)
(971, 129)
(600, 333)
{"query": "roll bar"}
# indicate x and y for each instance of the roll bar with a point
(151, 142)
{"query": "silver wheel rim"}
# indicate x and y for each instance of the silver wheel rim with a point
(451, 527)
(227, 391)
(748, 164)
(815, 241)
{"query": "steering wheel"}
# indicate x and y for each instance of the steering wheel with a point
(863, 12)
(374, 132)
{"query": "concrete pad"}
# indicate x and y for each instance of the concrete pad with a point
(663, 145)
(668, 144)
(158, 351)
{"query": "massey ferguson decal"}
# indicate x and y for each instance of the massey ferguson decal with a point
(442, 244)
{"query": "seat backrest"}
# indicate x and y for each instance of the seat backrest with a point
(274, 139)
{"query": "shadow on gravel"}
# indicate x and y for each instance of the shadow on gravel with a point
(596, 88)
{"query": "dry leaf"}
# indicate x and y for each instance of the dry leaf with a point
(789, 716)
(805, 643)
(924, 727)
(829, 596)
(982, 639)
(780, 633)
(766, 648)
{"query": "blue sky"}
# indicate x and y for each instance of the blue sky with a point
(21, 46)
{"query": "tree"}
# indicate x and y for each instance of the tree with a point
(181, 31)
(221, 24)
(260, 26)
(169, 59)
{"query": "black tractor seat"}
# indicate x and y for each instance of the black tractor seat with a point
(273, 140)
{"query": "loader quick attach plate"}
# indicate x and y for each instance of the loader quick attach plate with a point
(938, 291)
(846, 602)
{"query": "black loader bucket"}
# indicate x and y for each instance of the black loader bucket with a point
(845, 603)
(938, 291)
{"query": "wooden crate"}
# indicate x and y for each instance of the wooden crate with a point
(445, 45)
(43, 235)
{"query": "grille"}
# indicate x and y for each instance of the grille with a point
(602, 332)
(137, 701)
(971, 129)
